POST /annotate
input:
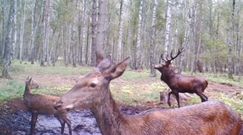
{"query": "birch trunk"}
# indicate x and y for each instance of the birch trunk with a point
(33, 32)
(94, 32)
(153, 40)
(102, 27)
(138, 60)
(231, 42)
(22, 30)
(45, 54)
(168, 27)
(14, 33)
(8, 47)
(121, 31)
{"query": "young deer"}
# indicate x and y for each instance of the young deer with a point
(92, 92)
(43, 104)
(180, 83)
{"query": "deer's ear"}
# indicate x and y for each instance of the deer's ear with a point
(118, 69)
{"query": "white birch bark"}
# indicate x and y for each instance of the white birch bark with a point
(153, 39)
(168, 26)
(102, 27)
(138, 45)
(22, 30)
(121, 31)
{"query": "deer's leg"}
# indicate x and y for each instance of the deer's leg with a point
(63, 117)
(33, 122)
(61, 122)
(177, 98)
(168, 100)
(66, 120)
(202, 96)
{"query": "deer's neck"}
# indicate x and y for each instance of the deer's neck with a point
(27, 90)
(108, 116)
(167, 76)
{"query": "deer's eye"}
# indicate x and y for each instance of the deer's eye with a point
(92, 85)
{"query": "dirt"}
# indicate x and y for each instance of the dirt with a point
(15, 119)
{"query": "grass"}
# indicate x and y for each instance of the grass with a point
(35, 69)
(134, 88)
(222, 78)
(11, 89)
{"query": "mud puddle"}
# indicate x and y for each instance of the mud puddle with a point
(15, 120)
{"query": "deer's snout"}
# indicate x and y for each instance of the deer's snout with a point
(58, 105)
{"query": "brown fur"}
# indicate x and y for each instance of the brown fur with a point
(92, 92)
(43, 104)
(180, 83)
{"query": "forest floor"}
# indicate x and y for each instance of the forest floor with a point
(134, 92)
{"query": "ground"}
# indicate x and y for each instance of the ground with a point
(134, 92)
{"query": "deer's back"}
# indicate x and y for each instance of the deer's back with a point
(209, 118)
(187, 83)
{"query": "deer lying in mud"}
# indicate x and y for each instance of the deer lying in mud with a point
(43, 104)
(92, 92)
(180, 83)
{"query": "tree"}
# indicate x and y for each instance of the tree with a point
(102, 26)
(94, 32)
(138, 60)
(22, 30)
(168, 27)
(121, 31)
(45, 47)
(8, 45)
(153, 39)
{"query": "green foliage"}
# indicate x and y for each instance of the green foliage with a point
(222, 79)
(11, 89)
(231, 101)
(134, 75)
(33, 69)
(217, 51)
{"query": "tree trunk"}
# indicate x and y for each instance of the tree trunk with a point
(4, 23)
(102, 27)
(22, 30)
(197, 33)
(138, 59)
(121, 29)
(94, 32)
(33, 33)
(45, 48)
(14, 33)
(168, 27)
(8, 47)
(153, 40)
(231, 42)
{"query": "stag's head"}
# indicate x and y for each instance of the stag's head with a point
(166, 66)
(93, 88)
(32, 84)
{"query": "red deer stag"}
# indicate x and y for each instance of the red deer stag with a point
(43, 104)
(92, 92)
(180, 83)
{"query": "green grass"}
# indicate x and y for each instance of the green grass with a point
(11, 89)
(36, 69)
(222, 78)
(56, 91)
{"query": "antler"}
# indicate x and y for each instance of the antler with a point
(178, 53)
(168, 60)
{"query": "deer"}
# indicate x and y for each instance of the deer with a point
(93, 92)
(179, 83)
(43, 104)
